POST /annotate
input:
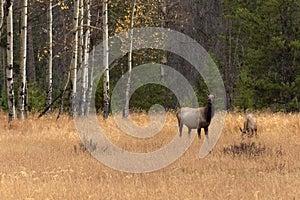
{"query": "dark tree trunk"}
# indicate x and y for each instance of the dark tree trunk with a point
(31, 73)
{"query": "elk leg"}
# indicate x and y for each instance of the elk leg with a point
(189, 132)
(252, 132)
(199, 133)
(180, 129)
(206, 131)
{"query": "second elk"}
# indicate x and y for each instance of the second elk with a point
(250, 126)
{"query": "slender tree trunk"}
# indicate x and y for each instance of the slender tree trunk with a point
(67, 78)
(31, 72)
(9, 67)
(163, 24)
(80, 53)
(74, 59)
(106, 90)
(50, 56)
(163, 16)
(80, 34)
(23, 53)
(3, 66)
(1, 15)
(90, 83)
(85, 70)
(2, 51)
(127, 92)
(229, 66)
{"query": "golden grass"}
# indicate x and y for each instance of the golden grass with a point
(43, 159)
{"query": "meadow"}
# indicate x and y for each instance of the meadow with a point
(45, 159)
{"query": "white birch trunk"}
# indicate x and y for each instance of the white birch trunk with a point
(80, 34)
(85, 70)
(81, 54)
(74, 59)
(90, 83)
(9, 67)
(126, 105)
(50, 56)
(1, 15)
(23, 52)
(106, 90)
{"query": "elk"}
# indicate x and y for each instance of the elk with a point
(250, 125)
(196, 118)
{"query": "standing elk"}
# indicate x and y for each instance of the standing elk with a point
(196, 118)
(250, 126)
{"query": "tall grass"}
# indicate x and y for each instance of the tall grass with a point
(45, 159)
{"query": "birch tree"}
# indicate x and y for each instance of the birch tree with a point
(23, 47)
(50, 56)
(90, 82)
(9, 66)
(81, 53)
(106, 92)
(1, 15)
(85, 70)
(80, 33)
(126, 106)
(74, 62)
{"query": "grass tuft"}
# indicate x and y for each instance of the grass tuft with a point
(249, 150)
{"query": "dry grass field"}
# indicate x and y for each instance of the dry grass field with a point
(44, 159)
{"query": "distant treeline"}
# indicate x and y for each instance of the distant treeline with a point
(255, 44)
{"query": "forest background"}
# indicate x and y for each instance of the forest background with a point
(256, 45)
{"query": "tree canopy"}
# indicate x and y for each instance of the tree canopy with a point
(256, 45)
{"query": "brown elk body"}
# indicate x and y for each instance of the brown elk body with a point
(196, 118)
